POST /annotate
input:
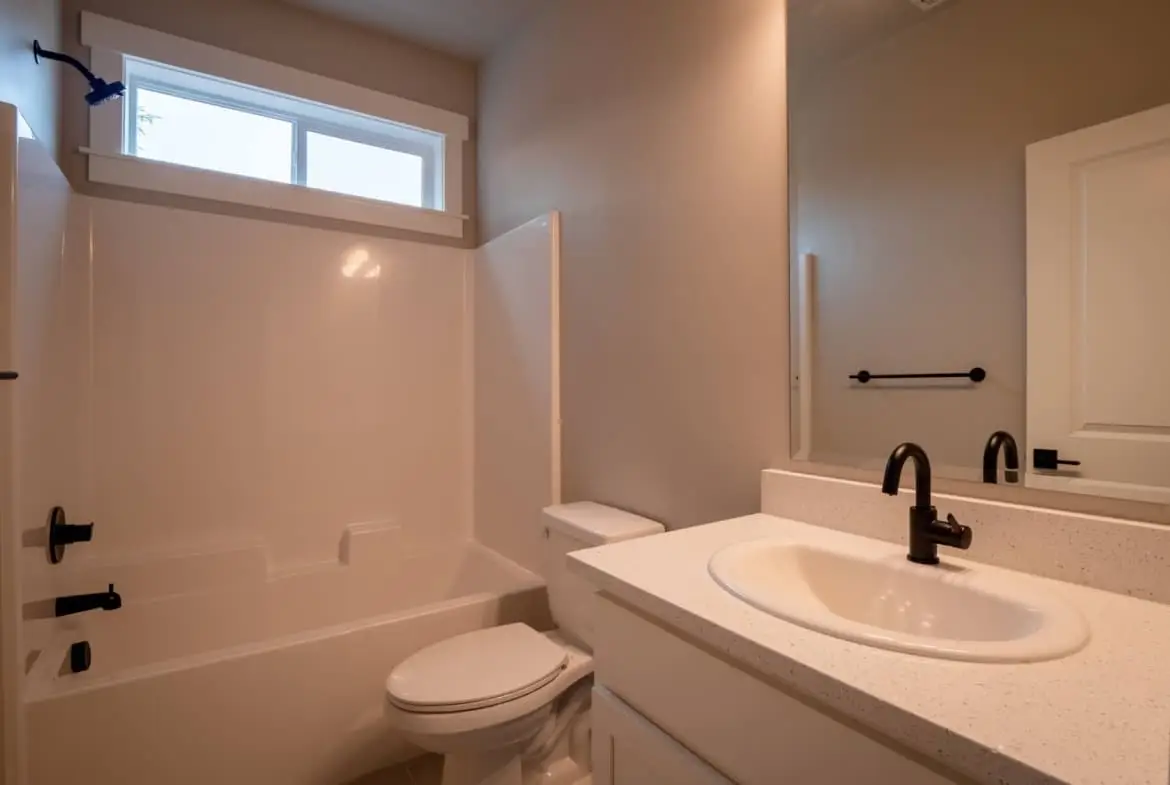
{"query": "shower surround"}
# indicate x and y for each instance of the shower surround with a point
(272, 427)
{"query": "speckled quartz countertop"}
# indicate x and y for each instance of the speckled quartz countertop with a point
(1098, 717)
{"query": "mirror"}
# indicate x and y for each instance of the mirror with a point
(980, 194)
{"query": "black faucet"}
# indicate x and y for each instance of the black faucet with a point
(80, 603)
(1011, 459)
(926, 531)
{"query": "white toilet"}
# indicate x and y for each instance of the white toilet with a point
(509, 705)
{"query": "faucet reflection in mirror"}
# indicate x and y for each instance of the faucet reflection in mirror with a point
(1001, 440)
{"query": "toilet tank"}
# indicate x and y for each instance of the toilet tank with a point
(574, 527)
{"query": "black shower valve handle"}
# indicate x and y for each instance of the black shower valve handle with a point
(62, 534)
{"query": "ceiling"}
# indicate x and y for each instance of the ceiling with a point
(827, 31)
(468, 28)
(822, 31)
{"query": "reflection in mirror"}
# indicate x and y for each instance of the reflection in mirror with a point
(983, 184)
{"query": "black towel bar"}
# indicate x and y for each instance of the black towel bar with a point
(976, 375)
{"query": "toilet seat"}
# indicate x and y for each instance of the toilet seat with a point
(478, 670)
(453, 724)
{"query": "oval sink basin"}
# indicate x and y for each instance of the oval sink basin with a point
(881, 599)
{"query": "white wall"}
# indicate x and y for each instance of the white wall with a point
(53, 347)
(259, 380)
(44, 279)
(242, 408)
(517, 395)
(42, 456)
(11, 664)
(199, 383)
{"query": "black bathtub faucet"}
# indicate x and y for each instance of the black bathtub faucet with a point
(81, 603)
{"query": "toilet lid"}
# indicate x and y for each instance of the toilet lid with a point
(476, 670)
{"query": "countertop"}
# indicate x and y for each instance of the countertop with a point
(1098, 717)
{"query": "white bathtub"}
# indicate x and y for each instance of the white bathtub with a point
(278, 682)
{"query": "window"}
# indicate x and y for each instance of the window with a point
(190, 132)
(214, 124)
(371, 171)
(196, 120)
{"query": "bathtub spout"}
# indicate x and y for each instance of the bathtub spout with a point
(80, 603)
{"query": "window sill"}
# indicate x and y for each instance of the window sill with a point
(168, 178)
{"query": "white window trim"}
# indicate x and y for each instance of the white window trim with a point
(112, 41)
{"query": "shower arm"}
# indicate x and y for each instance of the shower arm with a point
(38, 53)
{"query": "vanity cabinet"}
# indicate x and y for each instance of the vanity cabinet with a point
(670, 710)
(629, 750)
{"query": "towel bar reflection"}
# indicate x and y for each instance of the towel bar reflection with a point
(976, 375)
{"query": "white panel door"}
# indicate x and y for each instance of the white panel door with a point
(1098, 303)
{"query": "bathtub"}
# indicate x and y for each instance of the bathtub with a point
(276, 681)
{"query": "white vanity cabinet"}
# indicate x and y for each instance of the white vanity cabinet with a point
(630, 750)
(668, 710)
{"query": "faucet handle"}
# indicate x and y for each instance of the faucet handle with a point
(963, 534)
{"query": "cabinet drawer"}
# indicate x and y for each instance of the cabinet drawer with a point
(629, 750)
(742, 726)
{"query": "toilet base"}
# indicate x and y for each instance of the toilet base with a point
(557, 754)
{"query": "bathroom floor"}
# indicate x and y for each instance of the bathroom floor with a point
(427, 770)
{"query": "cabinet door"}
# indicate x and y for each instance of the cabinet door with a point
(629, 750)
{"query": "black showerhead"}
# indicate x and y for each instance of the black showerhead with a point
(100, 90)
(103, 91)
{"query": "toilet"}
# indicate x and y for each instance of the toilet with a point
(510, 705)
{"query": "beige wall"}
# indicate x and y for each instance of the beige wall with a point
(908, 169)
(291, 36)
(30, 87)
(658, 128)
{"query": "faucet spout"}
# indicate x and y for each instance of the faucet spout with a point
(893, 478)
(926, 531)
(81, 603)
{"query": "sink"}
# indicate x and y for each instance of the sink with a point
(871, 595)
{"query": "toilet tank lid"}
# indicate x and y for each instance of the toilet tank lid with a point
(596, 524)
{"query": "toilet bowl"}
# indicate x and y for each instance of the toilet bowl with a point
(501, 705)
(509, 705)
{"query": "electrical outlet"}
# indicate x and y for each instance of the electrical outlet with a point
(926, 5)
